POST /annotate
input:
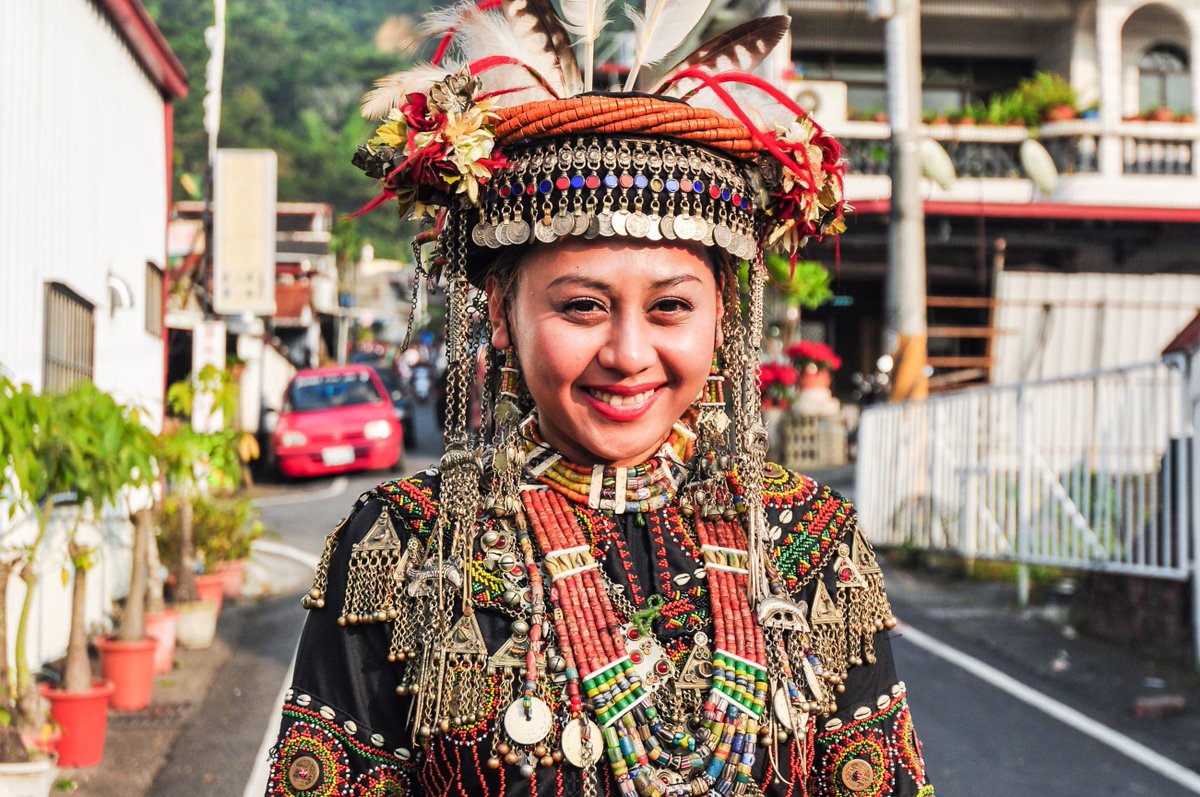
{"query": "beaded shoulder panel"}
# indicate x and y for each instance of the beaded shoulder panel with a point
(413, 501)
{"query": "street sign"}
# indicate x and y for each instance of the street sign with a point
(243, 243)
(208, 348)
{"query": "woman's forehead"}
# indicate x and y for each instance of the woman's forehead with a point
(615, 262)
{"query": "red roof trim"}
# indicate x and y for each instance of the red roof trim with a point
(148, 44)
(1040, 210)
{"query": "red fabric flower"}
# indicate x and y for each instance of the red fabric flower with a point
(416, 114)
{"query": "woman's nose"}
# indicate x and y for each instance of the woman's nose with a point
(629, 349)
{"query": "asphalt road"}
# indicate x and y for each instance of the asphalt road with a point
(979, 740)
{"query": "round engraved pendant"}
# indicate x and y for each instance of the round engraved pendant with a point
(528, 728)
(667, 227)
(593, 228)
(563, 224)
(701, 231)
(489, 238)
(573, 747)
(581, 223)
(685, 227)
(723, 236)
(707, 240)
(605, 223)
(501, 233)
(655, 231)
(638, 225)
(618, 222)
(477, 234)
(518, 231)
(544, 232)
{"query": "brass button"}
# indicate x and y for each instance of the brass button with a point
(304, 773)
(857, 775)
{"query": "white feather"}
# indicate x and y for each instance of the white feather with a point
(439, 21)
(763, 110)
(485, 33)
(660, 29)
(585, 19)
(391, 90)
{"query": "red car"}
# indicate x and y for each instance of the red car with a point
(336, 420)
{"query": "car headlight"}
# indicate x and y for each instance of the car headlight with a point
(377, 430)
(292, 439)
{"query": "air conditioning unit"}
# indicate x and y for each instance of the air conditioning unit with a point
(825, 100)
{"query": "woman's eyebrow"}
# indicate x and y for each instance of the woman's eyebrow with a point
(671, 282)
(583, 282)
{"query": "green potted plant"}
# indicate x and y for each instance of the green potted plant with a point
(227, 540)
(24, 438)
(804, 285)
(1046, 96)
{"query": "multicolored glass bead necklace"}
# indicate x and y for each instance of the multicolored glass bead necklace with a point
(643, 488)
(649, 756)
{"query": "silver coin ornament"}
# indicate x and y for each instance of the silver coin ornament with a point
(605, 223)
(685, 227)
(528, 728)
(544, 232)
(667, 227)
(638, 225)
(563, 223)
(654, 233)
(723, 236)
(618, 222)
(593, 228)
(701, 231)
(477, 234)
(489, 238)
(518, 232)
(581, 223)
(572, 743)
(501, 233)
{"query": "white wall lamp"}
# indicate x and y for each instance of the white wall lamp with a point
(120, 295)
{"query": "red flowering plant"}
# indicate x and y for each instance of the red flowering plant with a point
(434, 146)
(812, 356)
(777, 382)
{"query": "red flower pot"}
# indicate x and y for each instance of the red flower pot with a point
(211, 587)
(817, 378)
(130, 667)
(161, 627)
(234, 574)
(83, 717)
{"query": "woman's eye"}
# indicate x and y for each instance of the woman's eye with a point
(672, 306)
(582, 306)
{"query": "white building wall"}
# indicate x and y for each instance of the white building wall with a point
(82, 196)
(82, 189)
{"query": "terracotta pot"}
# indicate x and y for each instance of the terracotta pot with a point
(197, 624)
(130, 667)
(966, 121)
(83, 717)
(1161, 115)
(234, 574)
(211, 587)
(44, 742)
(1060, 113)
(161, 627)
(28, 779)
(812, 377)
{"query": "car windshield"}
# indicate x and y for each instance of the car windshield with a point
(327, 391)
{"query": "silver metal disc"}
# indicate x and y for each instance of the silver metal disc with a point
(618, 222)
(573, 747)
(685, 227)
(563, 223)
(638, 225)
(702, 227)
(529, 729)
(606, 226)
(655, 231)
(593, 228)
(518, 231)
(477, 234)
(667, 227)
(581, 223)
(723, 236)
(544, 232)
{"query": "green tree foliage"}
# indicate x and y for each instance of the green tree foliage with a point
(294, 72)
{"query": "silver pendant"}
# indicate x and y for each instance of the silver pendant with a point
(528, 727)
(593, 228)
(477, 236)
(667, 227)
(638, 225)
(489, 238)
(685, 227)
(518, 232)
(573, 747)
(701, 230)
(707, 240)
(563, 223)
(544, 232)
(618, 222)
(606, 225)
(655, 231)
(723, 236)
(501, 233)
(581, 223)
(786, 715)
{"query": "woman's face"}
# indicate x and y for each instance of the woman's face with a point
(615, 341)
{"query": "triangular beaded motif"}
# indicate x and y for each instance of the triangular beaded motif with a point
(372, 591)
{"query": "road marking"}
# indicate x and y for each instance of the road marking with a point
(256, 786)
(272, 548)
(1060, 711)
(335, 488)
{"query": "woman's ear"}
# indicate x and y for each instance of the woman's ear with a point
(497, 314)
(720, 337)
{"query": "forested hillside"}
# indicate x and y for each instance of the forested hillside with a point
(294, 71)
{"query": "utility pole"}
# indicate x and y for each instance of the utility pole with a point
(906, 335)
(214, 74)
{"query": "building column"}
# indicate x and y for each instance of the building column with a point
(1110, 18)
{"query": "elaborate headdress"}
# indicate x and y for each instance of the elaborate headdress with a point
(502, 142)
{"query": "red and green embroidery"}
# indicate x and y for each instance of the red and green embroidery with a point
(413, 501)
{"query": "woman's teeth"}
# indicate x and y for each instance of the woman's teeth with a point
(613, 400)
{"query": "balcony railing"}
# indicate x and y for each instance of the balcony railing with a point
(1078, 147)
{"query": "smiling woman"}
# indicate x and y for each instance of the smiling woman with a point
(605, 589)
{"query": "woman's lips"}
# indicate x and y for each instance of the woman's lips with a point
(619, 404)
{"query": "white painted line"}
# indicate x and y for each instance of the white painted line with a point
(256, 786)
(272, 548)
(1059, 711)
(335, 488)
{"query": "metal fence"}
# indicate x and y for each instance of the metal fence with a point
(1089, 472)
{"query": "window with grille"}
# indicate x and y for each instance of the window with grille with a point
(154, 296)
(1164, 79)
(69, 337)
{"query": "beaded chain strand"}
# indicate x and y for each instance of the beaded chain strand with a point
(722, 751)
